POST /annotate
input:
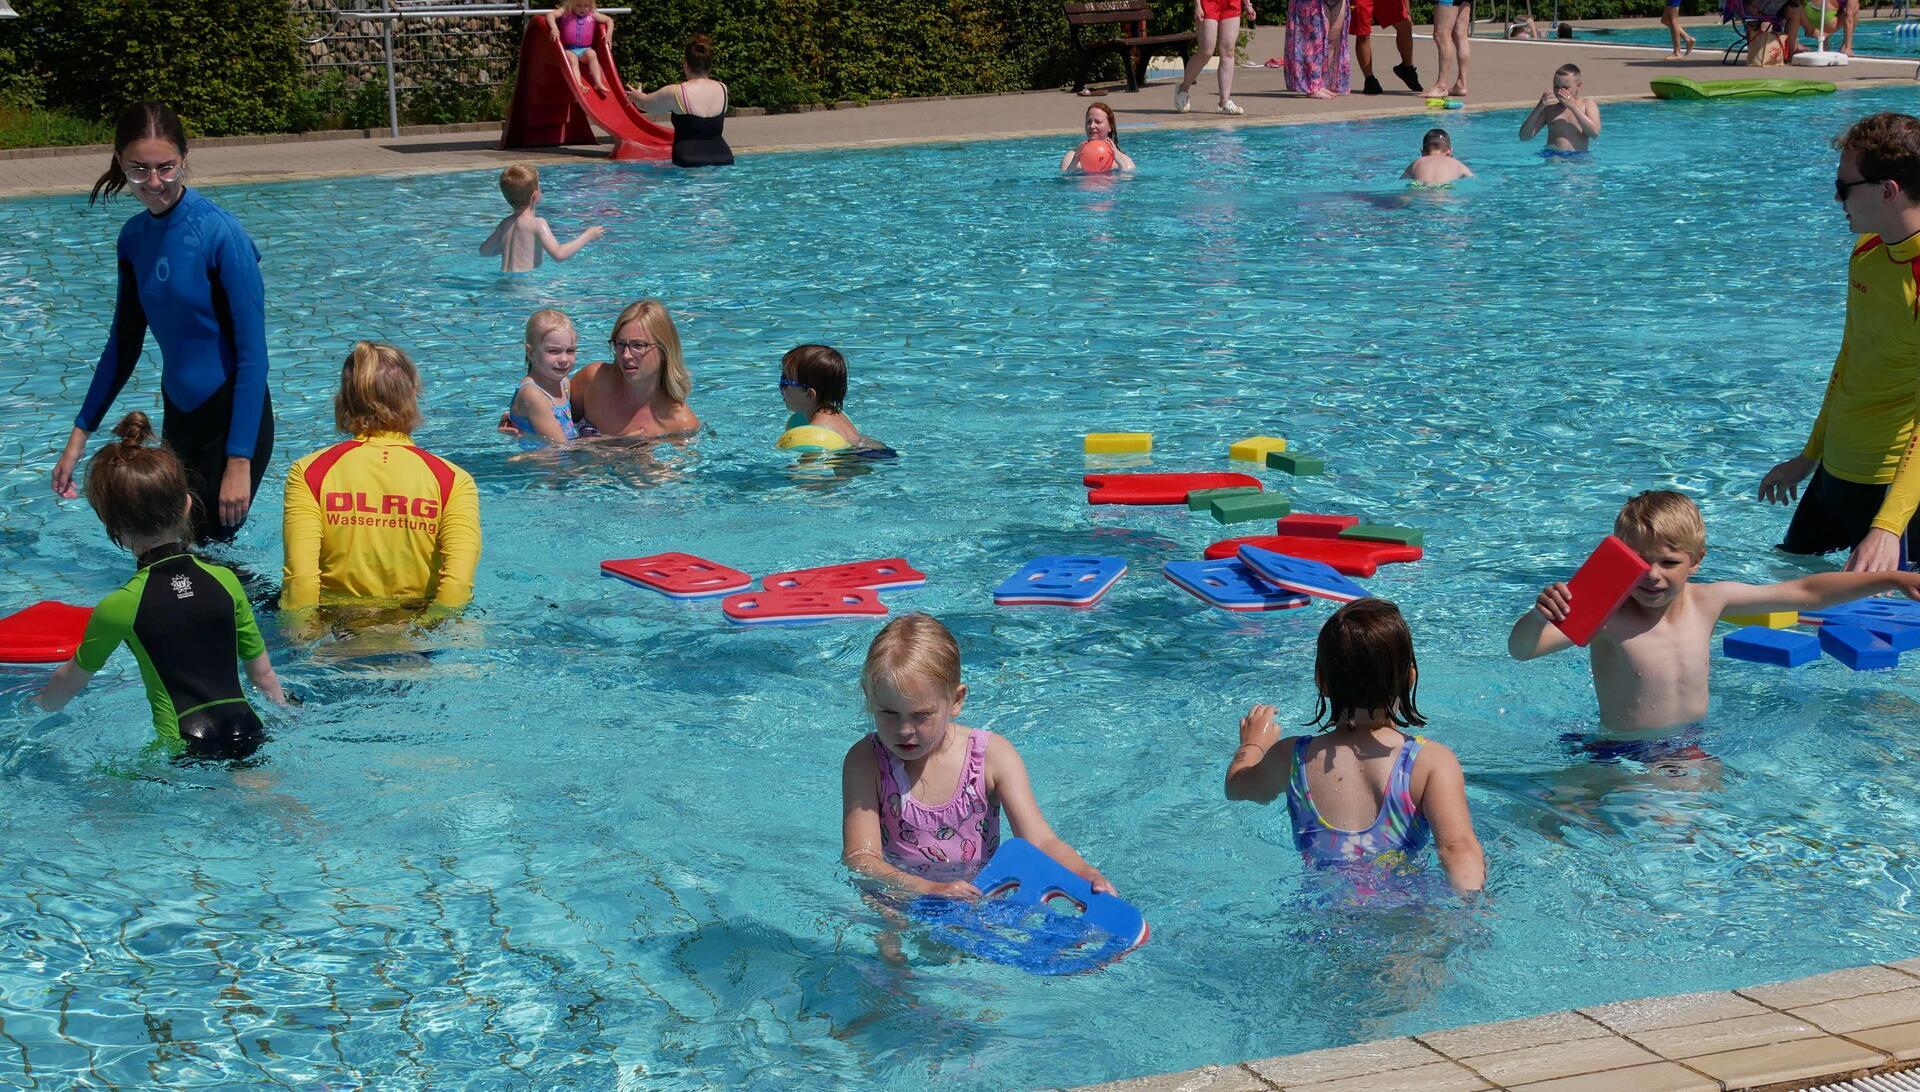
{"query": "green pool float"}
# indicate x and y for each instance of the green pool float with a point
(1674, 87)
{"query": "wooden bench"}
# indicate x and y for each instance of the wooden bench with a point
(1137, 46)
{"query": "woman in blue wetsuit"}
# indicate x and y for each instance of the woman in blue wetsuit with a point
(189, 272)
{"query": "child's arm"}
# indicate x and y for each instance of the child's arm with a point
(1442, 798)
(69, 680)
(1465, 171)
(1007, 781)
(860, 831)
(559, 252)
(1122, 159)
(1815, 592)
(606, 26)
(1532, 637)
(553, 21)
(1256, 772)
(496, 242)
(1591, 107)
(530, 403)
(1537, 116)
(1408, 173)
(260, 670)
(252, 647)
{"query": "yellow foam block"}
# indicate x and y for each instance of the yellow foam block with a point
(1254, 449)
(1779, 619)
(1119, 443)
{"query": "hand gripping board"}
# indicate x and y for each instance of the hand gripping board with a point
(45, 633)
(1353, 557)
(1300, 575)
(1157, 488)
(1598, 589)
(678, 576)
(1060, 581)
(1229, 585)
(886, 574)
(1017, 924)
(801, 606)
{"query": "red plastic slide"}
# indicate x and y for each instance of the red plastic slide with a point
(552, 106)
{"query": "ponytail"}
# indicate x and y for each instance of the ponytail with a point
(138, 122)
(139, 491)
(379, 391)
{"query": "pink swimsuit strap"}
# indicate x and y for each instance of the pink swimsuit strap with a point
(947, 842)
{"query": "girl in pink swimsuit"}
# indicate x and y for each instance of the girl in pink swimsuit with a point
(572, 23)
(921, 795)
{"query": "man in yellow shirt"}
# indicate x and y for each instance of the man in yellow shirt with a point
(1866, 483)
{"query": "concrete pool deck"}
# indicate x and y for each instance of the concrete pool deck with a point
(1505, 74)
(1771, 1038)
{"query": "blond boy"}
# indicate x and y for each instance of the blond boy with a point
(1650, 658)
(522, 237)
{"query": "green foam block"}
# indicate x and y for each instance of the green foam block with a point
(1202, 499)
(1296, 463)
(1246, 506)
(1374, 532)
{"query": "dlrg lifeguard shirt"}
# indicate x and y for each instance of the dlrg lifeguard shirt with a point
(1865, 432)
(378, 518)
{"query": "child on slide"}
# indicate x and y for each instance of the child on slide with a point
(1215, 23)
(543, 405)
(921, 795)
(1100, 152)
(572, 23)
(185, 620)
(1363, 793)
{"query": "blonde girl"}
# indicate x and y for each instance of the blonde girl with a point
(543, 406)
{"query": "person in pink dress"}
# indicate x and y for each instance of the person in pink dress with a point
(1316, 55)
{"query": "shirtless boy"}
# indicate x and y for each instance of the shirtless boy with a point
(522, 237)
(1436, 165)
(1571, 121)
(1650, 659)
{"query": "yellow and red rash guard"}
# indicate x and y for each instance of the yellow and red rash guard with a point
(377, 518)
(1865, 432)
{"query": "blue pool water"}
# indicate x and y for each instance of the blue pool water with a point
(594, 839)
(1871, 38)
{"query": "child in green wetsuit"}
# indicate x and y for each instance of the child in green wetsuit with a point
(185, 620)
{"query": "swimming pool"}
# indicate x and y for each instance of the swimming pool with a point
(594, 841)
(1871, 38)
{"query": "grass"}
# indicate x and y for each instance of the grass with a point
(42, 127)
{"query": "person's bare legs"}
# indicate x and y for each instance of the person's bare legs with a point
(1444, 18)
(1229, 45)
(1682, 41)
(1849, 15)
(1363, 55)
(1462, 47)
(1208, 32)
(592, 64)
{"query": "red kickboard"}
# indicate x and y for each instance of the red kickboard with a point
(1350, 557)
(801, 605)
(45, 633)
(1308, 525)
(1158, 488)
(679, 576)
(1598, 589)
(885, 574)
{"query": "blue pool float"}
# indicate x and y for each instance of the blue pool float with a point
(1015, 925)
(1301, 575)
(1061, 581)
(1228, 584)
(1779, 647)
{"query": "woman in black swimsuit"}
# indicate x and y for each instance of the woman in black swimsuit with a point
(698, 106)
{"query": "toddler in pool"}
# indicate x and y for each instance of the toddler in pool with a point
(921, 795)
(1363, 792)
(522, 238)
(813, 384)
(543, 406)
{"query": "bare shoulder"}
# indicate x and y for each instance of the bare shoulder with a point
(859, 757)
(1435, 755)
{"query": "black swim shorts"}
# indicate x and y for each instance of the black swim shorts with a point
(1835, 514)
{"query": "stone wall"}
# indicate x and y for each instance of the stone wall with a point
(463, 49)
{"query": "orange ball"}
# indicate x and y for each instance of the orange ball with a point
(1096, 156)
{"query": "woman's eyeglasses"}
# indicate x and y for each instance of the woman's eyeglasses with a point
(635, 347)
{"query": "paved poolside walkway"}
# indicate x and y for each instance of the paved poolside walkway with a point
(1785, 1035)
(1504, 74)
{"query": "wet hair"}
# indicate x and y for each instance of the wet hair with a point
(1113, 126)
(822, 368)
(1887, 148)
(1567, 70)
(1436, 140)
(1364, 660)
(699, 55)
(1663, 516)
(540, 324)
(138, 122)
(138, 490)
(379, 391)
(652, 316)
(518, 183)
(911, 651)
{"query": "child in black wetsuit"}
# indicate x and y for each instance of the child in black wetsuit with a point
(185, 620)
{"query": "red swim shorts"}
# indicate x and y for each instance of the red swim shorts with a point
(1368, 14)
(1220, 9)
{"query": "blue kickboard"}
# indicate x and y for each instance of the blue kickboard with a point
(1779, 647)
(1903, 611)
(1228, 584)
(1068, 581)
(1301, 575)
(1016, 927)
(1855, 647)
